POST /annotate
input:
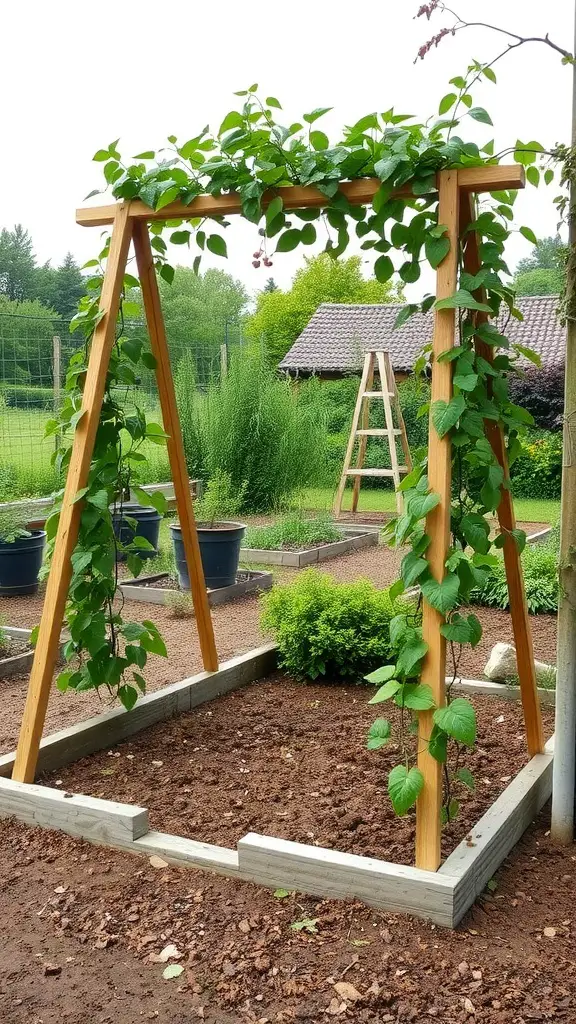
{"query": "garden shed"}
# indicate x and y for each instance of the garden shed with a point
(337, 337)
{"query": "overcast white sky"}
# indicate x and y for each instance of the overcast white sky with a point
(75, 76)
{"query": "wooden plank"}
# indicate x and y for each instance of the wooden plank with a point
(476, 859)
(428, 825)
(46, 653)
(363, 433)
(159, 346)
(337, 508)
(329, 874)
(104, 731)
(378, 432)
(188, 853)
(370, 472)
(506, 517)
(501, 691)
(102, 821)
(360, 192)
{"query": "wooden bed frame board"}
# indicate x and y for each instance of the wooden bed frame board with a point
(442, 896)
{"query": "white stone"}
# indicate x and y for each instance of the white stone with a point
(501, 666)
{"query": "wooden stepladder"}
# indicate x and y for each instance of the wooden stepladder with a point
(375, 360)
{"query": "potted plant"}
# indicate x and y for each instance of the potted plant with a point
(131, 520)
(21, 553)
(219, 535)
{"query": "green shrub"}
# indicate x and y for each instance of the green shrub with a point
(538, 469)
(21, 396)
(293, 531)
(540, 567)
(329, 629)
(254, 427)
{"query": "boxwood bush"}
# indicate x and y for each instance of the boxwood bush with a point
(330, 630)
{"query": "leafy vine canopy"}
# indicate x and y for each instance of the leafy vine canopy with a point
(255, 156)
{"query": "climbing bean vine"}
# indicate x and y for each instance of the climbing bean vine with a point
(253, 154)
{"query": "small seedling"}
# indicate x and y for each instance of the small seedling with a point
(307, 924)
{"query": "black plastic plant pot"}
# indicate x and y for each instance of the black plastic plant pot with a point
(219, 551)
(148, 526)
(20, 562)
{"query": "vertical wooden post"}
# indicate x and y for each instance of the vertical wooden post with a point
(428, 826)
(171, 420)
(363, 442)
(61, 569)
(507, 520)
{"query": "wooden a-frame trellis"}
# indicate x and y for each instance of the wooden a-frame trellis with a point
(129, 224)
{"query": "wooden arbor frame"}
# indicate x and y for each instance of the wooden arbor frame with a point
(129, 224)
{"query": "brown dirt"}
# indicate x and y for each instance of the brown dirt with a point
(289, 760)
(102, 917)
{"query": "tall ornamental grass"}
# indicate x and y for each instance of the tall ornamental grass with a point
(254, 427)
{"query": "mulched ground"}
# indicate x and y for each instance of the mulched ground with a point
(289, 760)
(83, 929)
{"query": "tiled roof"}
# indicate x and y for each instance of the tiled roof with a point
(338, 335)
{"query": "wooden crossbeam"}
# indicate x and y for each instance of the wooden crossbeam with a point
(298, 197)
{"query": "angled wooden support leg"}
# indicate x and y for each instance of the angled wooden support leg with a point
(158, 343)
(61, 569)
(363, 442)
(507, 521)
(428, 825)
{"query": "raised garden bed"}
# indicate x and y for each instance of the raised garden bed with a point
(355, 539)
(16, 657)
(440, 896)
(163, 588)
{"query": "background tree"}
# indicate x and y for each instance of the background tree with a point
(281, 316)
(202, 311)
(543, 272)
(17, 264)
(26, 343)
(270, 285)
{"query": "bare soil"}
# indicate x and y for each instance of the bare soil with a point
(289, 760)
(83, 929)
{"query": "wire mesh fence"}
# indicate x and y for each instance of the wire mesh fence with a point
(34, 354)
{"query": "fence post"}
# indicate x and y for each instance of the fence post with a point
(223, 361)
(56, 351)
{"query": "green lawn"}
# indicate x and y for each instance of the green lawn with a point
(25, 467)
(528, 510)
